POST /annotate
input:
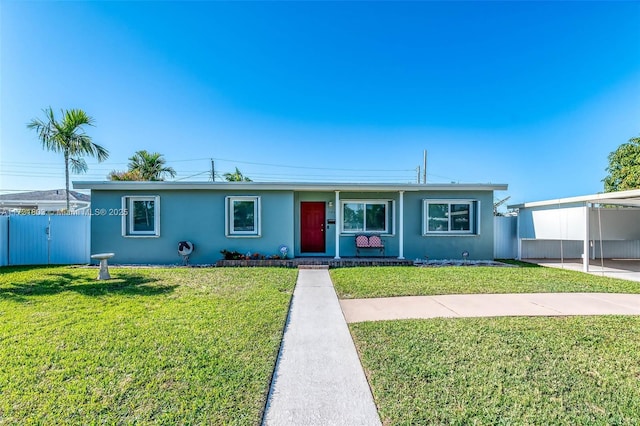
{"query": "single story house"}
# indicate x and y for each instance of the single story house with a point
(142, 222)
(605, 225)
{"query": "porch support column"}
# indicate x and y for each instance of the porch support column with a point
(401, 226)
(338, 224)
(585, 248)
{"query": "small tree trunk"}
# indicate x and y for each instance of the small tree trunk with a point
(66, 176)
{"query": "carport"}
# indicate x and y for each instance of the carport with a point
(597, 227)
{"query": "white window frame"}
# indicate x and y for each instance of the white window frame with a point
(390, 209)
(127, 219)
(474, 216)
(257, 217)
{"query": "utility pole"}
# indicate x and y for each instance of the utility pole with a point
(424, 171)
(418, 172)
(213, 171)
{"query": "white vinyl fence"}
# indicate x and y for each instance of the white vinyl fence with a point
(44, 240)
(505, 238)
(4, 240)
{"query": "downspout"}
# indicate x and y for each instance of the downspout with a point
(401, 226)
(338, 224)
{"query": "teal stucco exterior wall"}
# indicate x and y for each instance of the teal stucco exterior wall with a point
(197, 216)
(479, 245)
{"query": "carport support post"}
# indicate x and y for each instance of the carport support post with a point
(338, 224)
(518, 239)
(585, 248)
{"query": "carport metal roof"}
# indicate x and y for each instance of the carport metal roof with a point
(629, 198)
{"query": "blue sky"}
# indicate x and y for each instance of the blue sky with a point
(532, 94)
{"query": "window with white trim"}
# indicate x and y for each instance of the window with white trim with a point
(243, 216)
(374, 216)
(449, 217)
(141, 216)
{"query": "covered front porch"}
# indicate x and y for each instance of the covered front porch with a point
(334, 223)
(323, 229)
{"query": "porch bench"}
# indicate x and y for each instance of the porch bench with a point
(369, 242)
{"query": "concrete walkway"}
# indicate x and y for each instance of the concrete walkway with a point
(490, 305)
(318, 378)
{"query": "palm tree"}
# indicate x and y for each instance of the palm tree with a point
(68, 136)
(236, 177)
(150, 166)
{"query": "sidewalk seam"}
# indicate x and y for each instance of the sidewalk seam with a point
(435, 299)
(560, 313)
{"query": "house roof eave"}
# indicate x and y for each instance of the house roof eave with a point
(290, 186)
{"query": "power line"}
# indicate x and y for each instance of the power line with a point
(197, 174)
(100, 171)
(312, 168)
(90, 164)
(260, 176)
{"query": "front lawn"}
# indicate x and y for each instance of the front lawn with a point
(353, 283)
(151, 346)
(490, 371)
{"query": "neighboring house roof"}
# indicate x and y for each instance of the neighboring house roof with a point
(52, 200)
(289, 186)
(51, 195)
(623, 198)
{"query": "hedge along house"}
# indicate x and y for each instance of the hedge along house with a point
(142, 222)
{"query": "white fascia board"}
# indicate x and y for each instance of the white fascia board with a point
(630, 197)
(284, 186)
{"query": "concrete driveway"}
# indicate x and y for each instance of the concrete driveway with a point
(626, 269)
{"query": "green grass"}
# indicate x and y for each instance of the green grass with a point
(518, 371)
(351, 283)
(151, 346)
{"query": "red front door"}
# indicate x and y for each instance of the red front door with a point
(312, 217)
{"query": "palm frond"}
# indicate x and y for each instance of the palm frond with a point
(75, 118)
(46, 130)
(78, 165)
